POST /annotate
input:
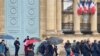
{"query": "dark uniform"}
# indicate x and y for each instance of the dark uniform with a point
(17, 46)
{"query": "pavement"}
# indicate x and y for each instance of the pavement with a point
(23, 55)
(41, 55)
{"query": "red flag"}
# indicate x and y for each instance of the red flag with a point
(80, 9)
(92, 8)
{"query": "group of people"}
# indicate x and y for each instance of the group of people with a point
(4, 49)
(83, 48)
(47, 49)
(29, 50)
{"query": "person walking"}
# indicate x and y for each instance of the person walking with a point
(55, 50)
(17, 46)
(2, 48)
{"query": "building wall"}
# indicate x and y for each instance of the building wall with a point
(1, 16)
(51, 19)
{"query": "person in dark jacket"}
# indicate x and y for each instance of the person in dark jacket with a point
(99, 48)
(95, 48)
(17, 46)
(30, 49)
(55, 50)
(42, 49)
(26, 39)
(25, 47)
(76, 50)
(81, 47)
(67, 47)
(49, 50)
(86, 49)
(6, 50)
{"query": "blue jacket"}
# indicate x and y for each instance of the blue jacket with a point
(95, 49)
(86, 50)
(2, 48)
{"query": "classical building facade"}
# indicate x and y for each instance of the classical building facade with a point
(54, 21)
(46, 18)
(57, 22)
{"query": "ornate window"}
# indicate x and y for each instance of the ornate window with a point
(86, 17)
(67, 16)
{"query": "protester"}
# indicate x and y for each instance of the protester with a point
(17, 46)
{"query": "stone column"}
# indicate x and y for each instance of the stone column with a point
(51, 17)
(94, 21)
(43, 18)
(1, 16)
(59, 17)
(76, 17)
